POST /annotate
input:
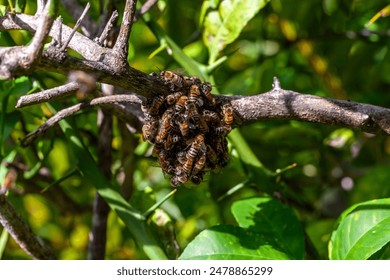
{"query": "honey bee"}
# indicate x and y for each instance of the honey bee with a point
(172, 98)
(179, 178)
(173, 80)
(199, 164)
(156, 104)
(183, 125)
(194, 96)
(211, 154)
(181, 157)
(192, 112)
(170, 140)
(180, 104)
(227, 110)
(187, 166)
(164, 162)
(206, 90)
(196, 145)
(149, 131)
(222, 130)
(221, 149)
(210, 116)
(203, 127)
(198, 178)
(165, 126)
(194, 91)
(156, 150)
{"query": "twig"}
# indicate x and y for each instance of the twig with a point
(107, 28)
(95, 59)
(58, 38)
(121, 44)
(47, 95)
(145, 8)
(88, 25)
(54, 194)
(285, 104)
(16, 60)
(65, 45)
(76, 108)
(21, 232)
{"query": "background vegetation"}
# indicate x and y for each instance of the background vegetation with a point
(283, 193)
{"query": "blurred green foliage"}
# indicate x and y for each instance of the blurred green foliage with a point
(315, 172)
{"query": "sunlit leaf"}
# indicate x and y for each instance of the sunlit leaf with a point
(223, 24)
(364, 229)
(3, 242)
(382, 13)
(273, 220)
(227, 242)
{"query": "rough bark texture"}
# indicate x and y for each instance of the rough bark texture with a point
(21, 232)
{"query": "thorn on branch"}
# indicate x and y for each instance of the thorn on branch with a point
(121, 44)
(19, 60)
(63, 48)
(145, 8)
(57, 40)
(276, 84)
(103, 37)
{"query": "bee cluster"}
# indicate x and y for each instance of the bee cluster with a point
(188, 128)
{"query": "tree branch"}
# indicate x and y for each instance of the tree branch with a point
(275, 104)
(76, 108)
(65, 45)
(47, 95)
(289, 105)
(145, 7)
(20, 59)
(107, 29)
(121, 44)
(99, 61)
(21, 232)
(76, 10)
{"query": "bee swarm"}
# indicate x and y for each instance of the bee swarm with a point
(188, 128)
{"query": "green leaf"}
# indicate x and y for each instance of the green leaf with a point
(256, 171)
(190, 65)
(273, 220)
(223, 24)
(3, 242)
(364, 229)
(228, 242)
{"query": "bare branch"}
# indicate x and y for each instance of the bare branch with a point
(47, 95)
(88, 26)
(17, 60)
(145, 8)
(79, 43)
(99, 61)
(76, 108)
(276, 104)
(121, 44)
(285, 104)
(107, 28)
(21, 232)
(65, 45)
